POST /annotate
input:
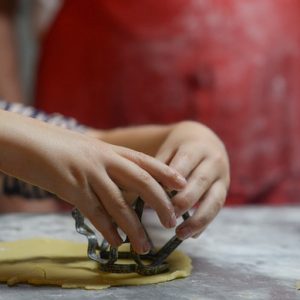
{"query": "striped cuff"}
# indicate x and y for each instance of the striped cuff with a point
(12, 186)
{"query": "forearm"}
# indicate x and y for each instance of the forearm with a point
(10, 84)
(17, 143)
(149, 138)
(146, 139)
(26, 145)
(12, 186)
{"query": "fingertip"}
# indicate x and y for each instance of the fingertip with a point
(146, 247)
(173, 220)
(177, 212)
(195, 236)
(181, 180)
(184, 232)
(141, 248)
(164, 156)
(178, 181)
(115, 243)
(170, 222)
(114, 239)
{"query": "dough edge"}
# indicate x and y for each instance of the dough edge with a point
(180, 266)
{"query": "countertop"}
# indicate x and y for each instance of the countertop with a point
(246, 253)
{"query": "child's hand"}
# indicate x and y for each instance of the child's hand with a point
(105, 169)
(87, 172)
(198, 155)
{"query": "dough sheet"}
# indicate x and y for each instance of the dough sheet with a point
(65, 264)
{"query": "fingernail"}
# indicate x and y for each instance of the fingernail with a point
(117, 242)
(196, 235)
(184, 233)
(146, 247)
(181, 179)
(172, 222)
(177, 212)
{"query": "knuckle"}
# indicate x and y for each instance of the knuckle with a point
(227, 184)
(221, 162)
(189, 123)
(140, 233)
(114, 200)
(137, 157)
(77, 176)
(141, 156)
(129, 197)
(169, 208)
(166, 208)
(199, 223)
(203, 179)
(183, 153)
(144, 178)
(99, 210)
(217, 206)
(93, 212)
(120, 206)
(130, 157)
(219, 158)
(168, 172)
(223, 194)
(219, 193)
(188, 195)
(183, 200)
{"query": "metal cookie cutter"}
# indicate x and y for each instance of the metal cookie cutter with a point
(151, 263)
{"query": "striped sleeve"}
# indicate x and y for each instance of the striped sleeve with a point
(12, 186)
(56, 119)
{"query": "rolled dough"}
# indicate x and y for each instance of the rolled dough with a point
(298, 285)
(65, 263)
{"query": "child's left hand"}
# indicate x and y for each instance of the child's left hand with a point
(200, 156)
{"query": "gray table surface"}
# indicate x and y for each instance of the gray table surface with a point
(247, 253)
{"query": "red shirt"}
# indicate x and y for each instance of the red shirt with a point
(233, 65)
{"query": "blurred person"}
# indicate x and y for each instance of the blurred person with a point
(10, 84)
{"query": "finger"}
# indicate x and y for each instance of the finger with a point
(167, 176)
(133, 178)
(165, 154)
(129, 197)
(123, 214)
(205, 213)
(96, 213)
(186, 159)
(199, 183)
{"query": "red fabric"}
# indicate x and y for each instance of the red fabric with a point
(233, 65)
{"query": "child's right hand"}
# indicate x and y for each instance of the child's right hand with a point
(89, 173)
(95, 172)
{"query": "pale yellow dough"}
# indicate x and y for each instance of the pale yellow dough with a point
(298, 285)
(65, 263)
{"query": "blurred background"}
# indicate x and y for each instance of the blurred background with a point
(233, 65)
